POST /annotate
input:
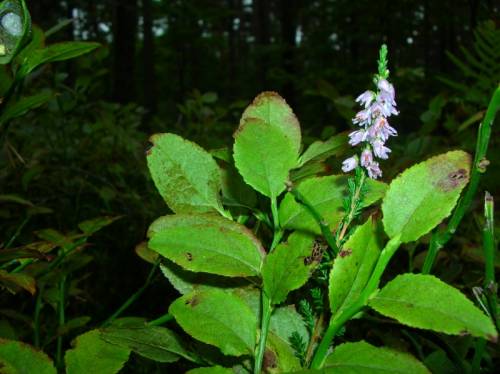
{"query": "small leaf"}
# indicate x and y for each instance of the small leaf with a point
(322, 150)
(15, 26)
(326, 195)
(186, 176)
(145, 253)
(23, 105)
(425, 194)
(353, 267)
(91, 226)
(272, 109)
(285, 321)
(284, 269)
(207, 243)
(279, 357)
(424, 301)
(14, 281)
(211, 370)
(218, 318)
(264, 155)
(362, 357)
(53, 53)
(92, 354)
(20, 358)
(153, 342)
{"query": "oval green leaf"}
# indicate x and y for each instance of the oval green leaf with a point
(424, 195)
(284, 268)
(424, 301)
(94, 355)
(272, 109)
(207, 243)
(326, 194)
(15, 26)
(186, 175)
(20, 358)
(353, 267)
(217, 318)
(365, 358)
(264, 156)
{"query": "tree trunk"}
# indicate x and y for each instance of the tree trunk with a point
(262, 38)
(148, 60)
(124, 39)
(289, 33)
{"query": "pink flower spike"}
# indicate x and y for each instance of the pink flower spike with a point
(380, 150)
(366, 158)
(357, 137)
(350, 164)
(366, 98)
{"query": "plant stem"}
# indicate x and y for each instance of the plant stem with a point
(133, 298)
(161, 320)
(490, 285)
(314, 337)
(264, 330)
(278, 232)
(36, 317)
(325, 229)
(441, 237)
(62, 320)
(18, 231)
(338, 321)
(348, 218)
(479, 348)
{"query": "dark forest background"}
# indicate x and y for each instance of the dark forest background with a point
(191, 67)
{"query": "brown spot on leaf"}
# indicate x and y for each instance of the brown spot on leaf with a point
(189, 256)
(453, 180)
(492, 338)
(463, 333)
(193, 301)
(345, 252)
(270, 360)
(149, 149)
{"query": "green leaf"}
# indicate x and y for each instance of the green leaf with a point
(142, 250)
(322, 150)
(16, 281)
(53, 53)
(425, 194)
(272, 109)
(211, 370)
(186, 176)
(234, 190)
(353, 267)
(284, 269)
(424, 301)
(91, 226)
(92, 354)
(15, 27)
(153, 342)
(207, 243)
(20, 358)
(23, 105)
(285, 321)
(264, 155)
(279, 356)
(362, 357)
(326, 195)
(218, 318)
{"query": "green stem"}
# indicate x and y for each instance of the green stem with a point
(161, 320)
(479, 348)
(441, 237)
(278, 232)
(18, 231)
(36, 317)
(338, 321)
(490, 285)
(62, 320)
(133, 298)
(325, 229)
(264, 330)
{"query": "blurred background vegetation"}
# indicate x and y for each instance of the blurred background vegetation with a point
(190, 67)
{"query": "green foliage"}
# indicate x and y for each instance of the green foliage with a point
(364, 357)
(218, 318)
(207, 243)
(285, 268)
(15, 28)
(424, 301)
(353, 267)
(423, 195)
(20, 358)
(92, 353)
(186, 175)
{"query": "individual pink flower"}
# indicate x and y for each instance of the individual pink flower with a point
(357, 137)
(350, 164)
(381, 129)
(366, 157)
(363, 117)
(373, 170)
(380, 150)
(366, 98)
